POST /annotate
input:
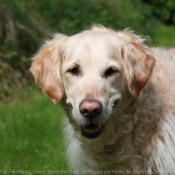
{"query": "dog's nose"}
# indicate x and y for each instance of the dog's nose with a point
(90, 108)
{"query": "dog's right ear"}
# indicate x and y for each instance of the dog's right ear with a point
(138, 61)
(46, 67)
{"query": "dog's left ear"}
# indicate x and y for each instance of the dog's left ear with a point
(138, 62)
(46, 67)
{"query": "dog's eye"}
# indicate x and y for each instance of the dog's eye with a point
(110, 71)
(74, 71)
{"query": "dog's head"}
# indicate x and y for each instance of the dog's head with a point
(93, 71)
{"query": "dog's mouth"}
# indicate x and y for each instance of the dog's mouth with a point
(92, 131)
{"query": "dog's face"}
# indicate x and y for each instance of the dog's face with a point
(93, 70)
(93, 82)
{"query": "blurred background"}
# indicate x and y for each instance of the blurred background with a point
(30, 129)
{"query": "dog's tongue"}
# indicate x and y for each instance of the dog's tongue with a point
(92, 131)
(91, 128)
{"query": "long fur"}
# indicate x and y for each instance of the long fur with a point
(139, 137)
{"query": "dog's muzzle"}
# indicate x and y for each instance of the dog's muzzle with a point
(92, 131)
(90, 109)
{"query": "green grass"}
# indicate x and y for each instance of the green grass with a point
(31, 136)
(164, 36)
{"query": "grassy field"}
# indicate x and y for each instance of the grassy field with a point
(31, 137)
(164, 37)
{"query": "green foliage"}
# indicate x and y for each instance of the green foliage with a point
(164, 10)
(72, 16)
(163, 36)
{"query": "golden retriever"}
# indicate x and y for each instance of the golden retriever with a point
(119, 99)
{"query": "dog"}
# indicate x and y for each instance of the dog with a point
(118, 95)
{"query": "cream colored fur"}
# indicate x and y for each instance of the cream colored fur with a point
(138, 100)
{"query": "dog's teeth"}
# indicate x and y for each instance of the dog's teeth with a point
(91, 131)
